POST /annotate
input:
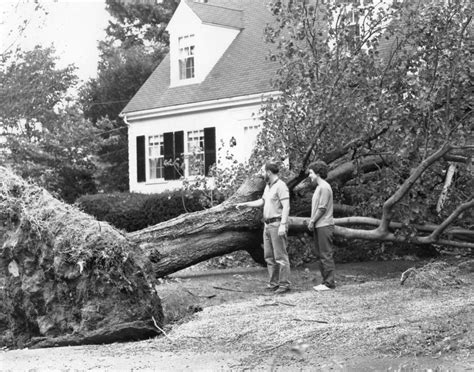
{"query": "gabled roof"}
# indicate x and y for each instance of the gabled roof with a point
(217, 15)
(242, 70)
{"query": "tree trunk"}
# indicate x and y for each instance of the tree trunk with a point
(194, 237)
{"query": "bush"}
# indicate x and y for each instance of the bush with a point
(133, 211)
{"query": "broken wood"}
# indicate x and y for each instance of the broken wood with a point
(386, 327)
(406, 274)
(275, 303)
(447, 183)
(161, 330)
(202, 296)
(310, 320)
(227, 289)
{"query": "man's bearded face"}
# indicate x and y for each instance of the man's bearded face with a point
(264, 174)
(266, 177)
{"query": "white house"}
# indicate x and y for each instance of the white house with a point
(204, 93)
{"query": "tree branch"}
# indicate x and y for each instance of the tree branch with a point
(456, 232)
(439, 230)
(345, 172)
(299, 224)
(407, 185)
(357, 142)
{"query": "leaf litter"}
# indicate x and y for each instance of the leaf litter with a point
(372, 318)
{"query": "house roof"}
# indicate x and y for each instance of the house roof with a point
(242, 70)
(216, 14)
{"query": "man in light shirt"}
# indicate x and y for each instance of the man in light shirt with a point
(322, 224)
(276, 209)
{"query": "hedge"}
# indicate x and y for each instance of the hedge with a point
(133, 211)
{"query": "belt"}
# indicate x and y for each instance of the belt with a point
(270, 220)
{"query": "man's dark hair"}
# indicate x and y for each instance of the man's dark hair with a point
(272, 167)
(319, 167)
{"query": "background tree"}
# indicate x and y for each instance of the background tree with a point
(45, 137)
(134, 46)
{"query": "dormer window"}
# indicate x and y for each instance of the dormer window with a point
(186, 57)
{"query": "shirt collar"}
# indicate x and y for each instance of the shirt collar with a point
(271, 184)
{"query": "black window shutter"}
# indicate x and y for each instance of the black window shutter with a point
(141, 166)
(168, 149)
(209, 148)
(178, 151)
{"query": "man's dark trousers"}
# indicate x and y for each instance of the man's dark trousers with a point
(323, 245)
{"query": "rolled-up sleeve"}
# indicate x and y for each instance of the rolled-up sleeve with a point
(283, 192)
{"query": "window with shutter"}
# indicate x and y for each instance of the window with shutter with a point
(155, 157)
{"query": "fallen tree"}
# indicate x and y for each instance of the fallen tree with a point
(69, 279)
(194, 237)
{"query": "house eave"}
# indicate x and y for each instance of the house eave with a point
(197, 106)
(223, 26)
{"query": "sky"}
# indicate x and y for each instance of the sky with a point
(72, 26)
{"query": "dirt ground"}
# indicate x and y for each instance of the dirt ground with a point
(224, 320)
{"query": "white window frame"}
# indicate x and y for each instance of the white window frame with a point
(186, 54)
(155, 151)
(194, 147)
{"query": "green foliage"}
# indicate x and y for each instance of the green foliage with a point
(31, 88)
(138, 23)
(398, 88)
(46, 138)
(223, 180)
(229, 173)
(133, 211)
(120, 73)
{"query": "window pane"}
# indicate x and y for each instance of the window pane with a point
(190, 68)
(186, 57)
(155, 156)
(195, 148)
(196, 141)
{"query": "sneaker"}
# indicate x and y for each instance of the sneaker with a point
(282, 290)
(321, 287)
(271, 288)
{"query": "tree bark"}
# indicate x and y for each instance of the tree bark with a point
(194, 237)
